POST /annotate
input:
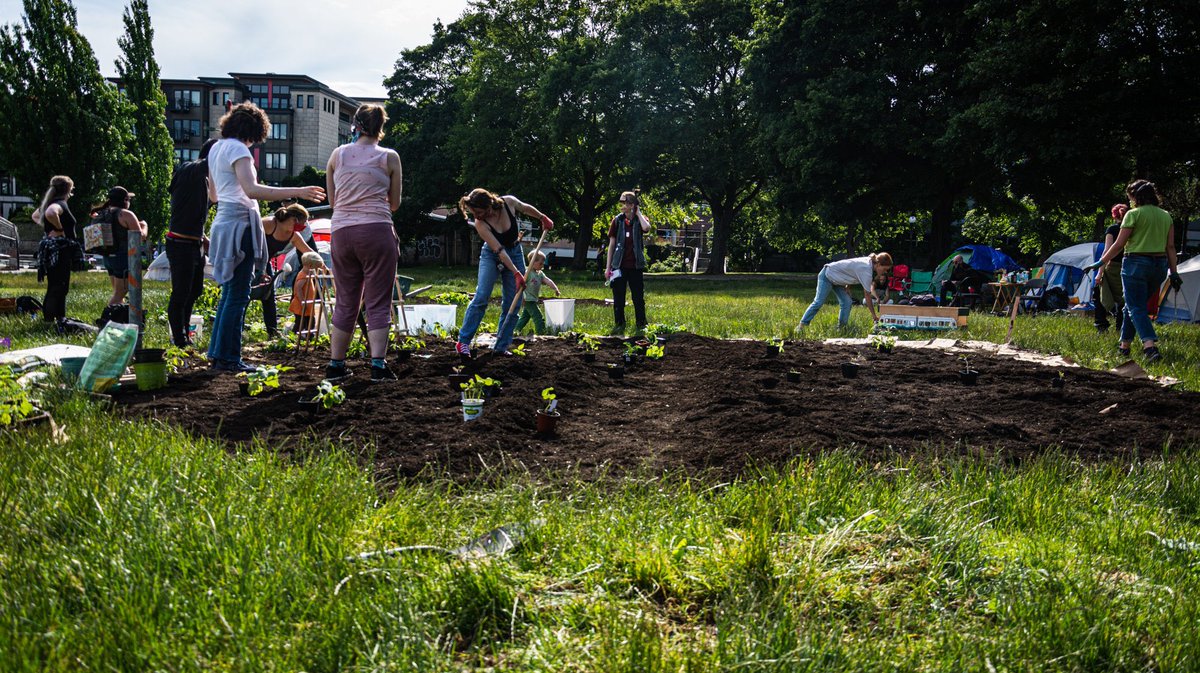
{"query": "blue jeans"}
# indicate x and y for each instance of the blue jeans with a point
(824, 287)
(1141, 277)
(490, 269)
(225, 343)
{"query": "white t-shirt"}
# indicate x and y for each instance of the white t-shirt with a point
(847, 272)
(220, 171)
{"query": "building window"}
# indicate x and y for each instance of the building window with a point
(310, 102)
(185, 99)
(275, 160)
(5, 186)
(279, 131)
(299, 102)
(183, 130)
(182, 155)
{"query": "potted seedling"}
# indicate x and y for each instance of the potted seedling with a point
(518, 350)
(850, 369)
(481, 386)
(408, 348)
(883, 343)
(473, 397)
(793, 376)
(457, 378)
(774, 347)
(966, 375)
(329, 395)
(590, 345)
(1058, 380)
(631, 353)
(547, 416)
(655, 352)
(262, 378)
(616, 371)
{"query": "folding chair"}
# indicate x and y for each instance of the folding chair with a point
(920, 282)
(319, 300)
(900, 281)
(1032, 295)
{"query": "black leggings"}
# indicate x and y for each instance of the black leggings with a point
(58, 284)
(187, 283)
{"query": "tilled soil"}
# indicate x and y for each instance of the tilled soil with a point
(709, 406)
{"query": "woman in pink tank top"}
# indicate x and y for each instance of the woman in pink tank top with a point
(363, 182)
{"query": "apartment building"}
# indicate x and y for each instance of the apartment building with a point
(308, 119)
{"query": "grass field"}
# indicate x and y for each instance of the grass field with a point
(131, 546)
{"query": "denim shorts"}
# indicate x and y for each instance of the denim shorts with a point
(117, 265)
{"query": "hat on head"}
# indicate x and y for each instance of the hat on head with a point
(119, 194)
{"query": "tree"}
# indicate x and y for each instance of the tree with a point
(150, 152)
(691, 128)
(56, 110)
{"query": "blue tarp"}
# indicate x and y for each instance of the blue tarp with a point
(982, 258)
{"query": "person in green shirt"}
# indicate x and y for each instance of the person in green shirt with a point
(533, 286)
(1148, 241)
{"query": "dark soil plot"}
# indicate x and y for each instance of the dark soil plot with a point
(709, 405)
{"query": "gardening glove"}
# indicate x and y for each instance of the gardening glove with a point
(520, 280)
(1092, 267)
(608, 274)
(547, 223)
(1176, 281)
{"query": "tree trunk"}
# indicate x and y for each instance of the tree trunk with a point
(583, 240)
(722, 224)
(939, 232)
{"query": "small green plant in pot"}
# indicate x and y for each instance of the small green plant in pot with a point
(329, 395)
(966, 375)
(409, 347)
(655, 352)
(774, 347)
(590, 345)
(883, 343)
(547, 416)
(480, 388)
(631, 353)
(260, 379)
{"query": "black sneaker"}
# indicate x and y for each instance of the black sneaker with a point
(336, 373)
(1123, 350)
(1152, 354)
(380, 374)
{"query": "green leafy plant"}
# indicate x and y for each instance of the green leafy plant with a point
(518, 350)
(14, 399)
(589, 343)
(883, 343)
(474, 389)
(357, 348)
(777, 343)
(323, 341)
(286, 341)
(549, 398)
(664, 329)
(175, 357)
(655, 352)
(631, 348)
(456, 298)
(262, 378)
(966, 362)
(329, 395)
(412, 344)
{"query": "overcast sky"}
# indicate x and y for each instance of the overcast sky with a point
(350, 46)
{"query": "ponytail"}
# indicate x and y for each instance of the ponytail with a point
(60, 186)
(292, 211)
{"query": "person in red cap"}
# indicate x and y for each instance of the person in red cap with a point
(116, 212)
(1107, 298)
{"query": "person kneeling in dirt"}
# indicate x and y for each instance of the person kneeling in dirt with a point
(835, 277)
(303, 305)
(534, 279)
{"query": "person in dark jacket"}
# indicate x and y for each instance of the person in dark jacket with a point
(626, 265)
(191, 196)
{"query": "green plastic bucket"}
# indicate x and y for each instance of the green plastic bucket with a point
(150, 375)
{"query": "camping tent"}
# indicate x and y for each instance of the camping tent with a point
(1065, 269)
(982, 258)
(1185, 304)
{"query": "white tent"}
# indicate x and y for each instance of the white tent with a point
(1065, 269)
(1185, 304)
(160, 269)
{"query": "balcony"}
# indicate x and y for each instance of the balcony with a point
(180, 105)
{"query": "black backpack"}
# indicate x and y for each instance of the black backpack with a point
(113, 313)
(28, 305)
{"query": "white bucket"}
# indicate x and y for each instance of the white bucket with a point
(472, 409)
(560, 314)
(422, 317)
(195, 327)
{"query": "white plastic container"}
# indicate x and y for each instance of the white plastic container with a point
(422, 317)
(472, 410)
(195, 327)
(560, 314)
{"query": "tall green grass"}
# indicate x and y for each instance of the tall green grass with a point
(128, 545)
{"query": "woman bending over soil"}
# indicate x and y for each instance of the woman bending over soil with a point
(282, 228)
(500, 257)
(837, 276)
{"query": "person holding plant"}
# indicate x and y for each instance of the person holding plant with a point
(116, 212)
(494, 220)
(282, 229)
(1148, 241)
(836, 277)
(364, 181)
(191, 194)
(626, 263)
(1108, 298)
(59, 250)
(534, 280)
(239, 248)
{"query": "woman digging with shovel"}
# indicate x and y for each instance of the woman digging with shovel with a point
(495, 221)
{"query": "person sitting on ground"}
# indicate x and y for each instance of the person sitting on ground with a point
(835, 277)
(303, 305)
(534, 278)
(116, 212)
(1107, 296)
(963, 278)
